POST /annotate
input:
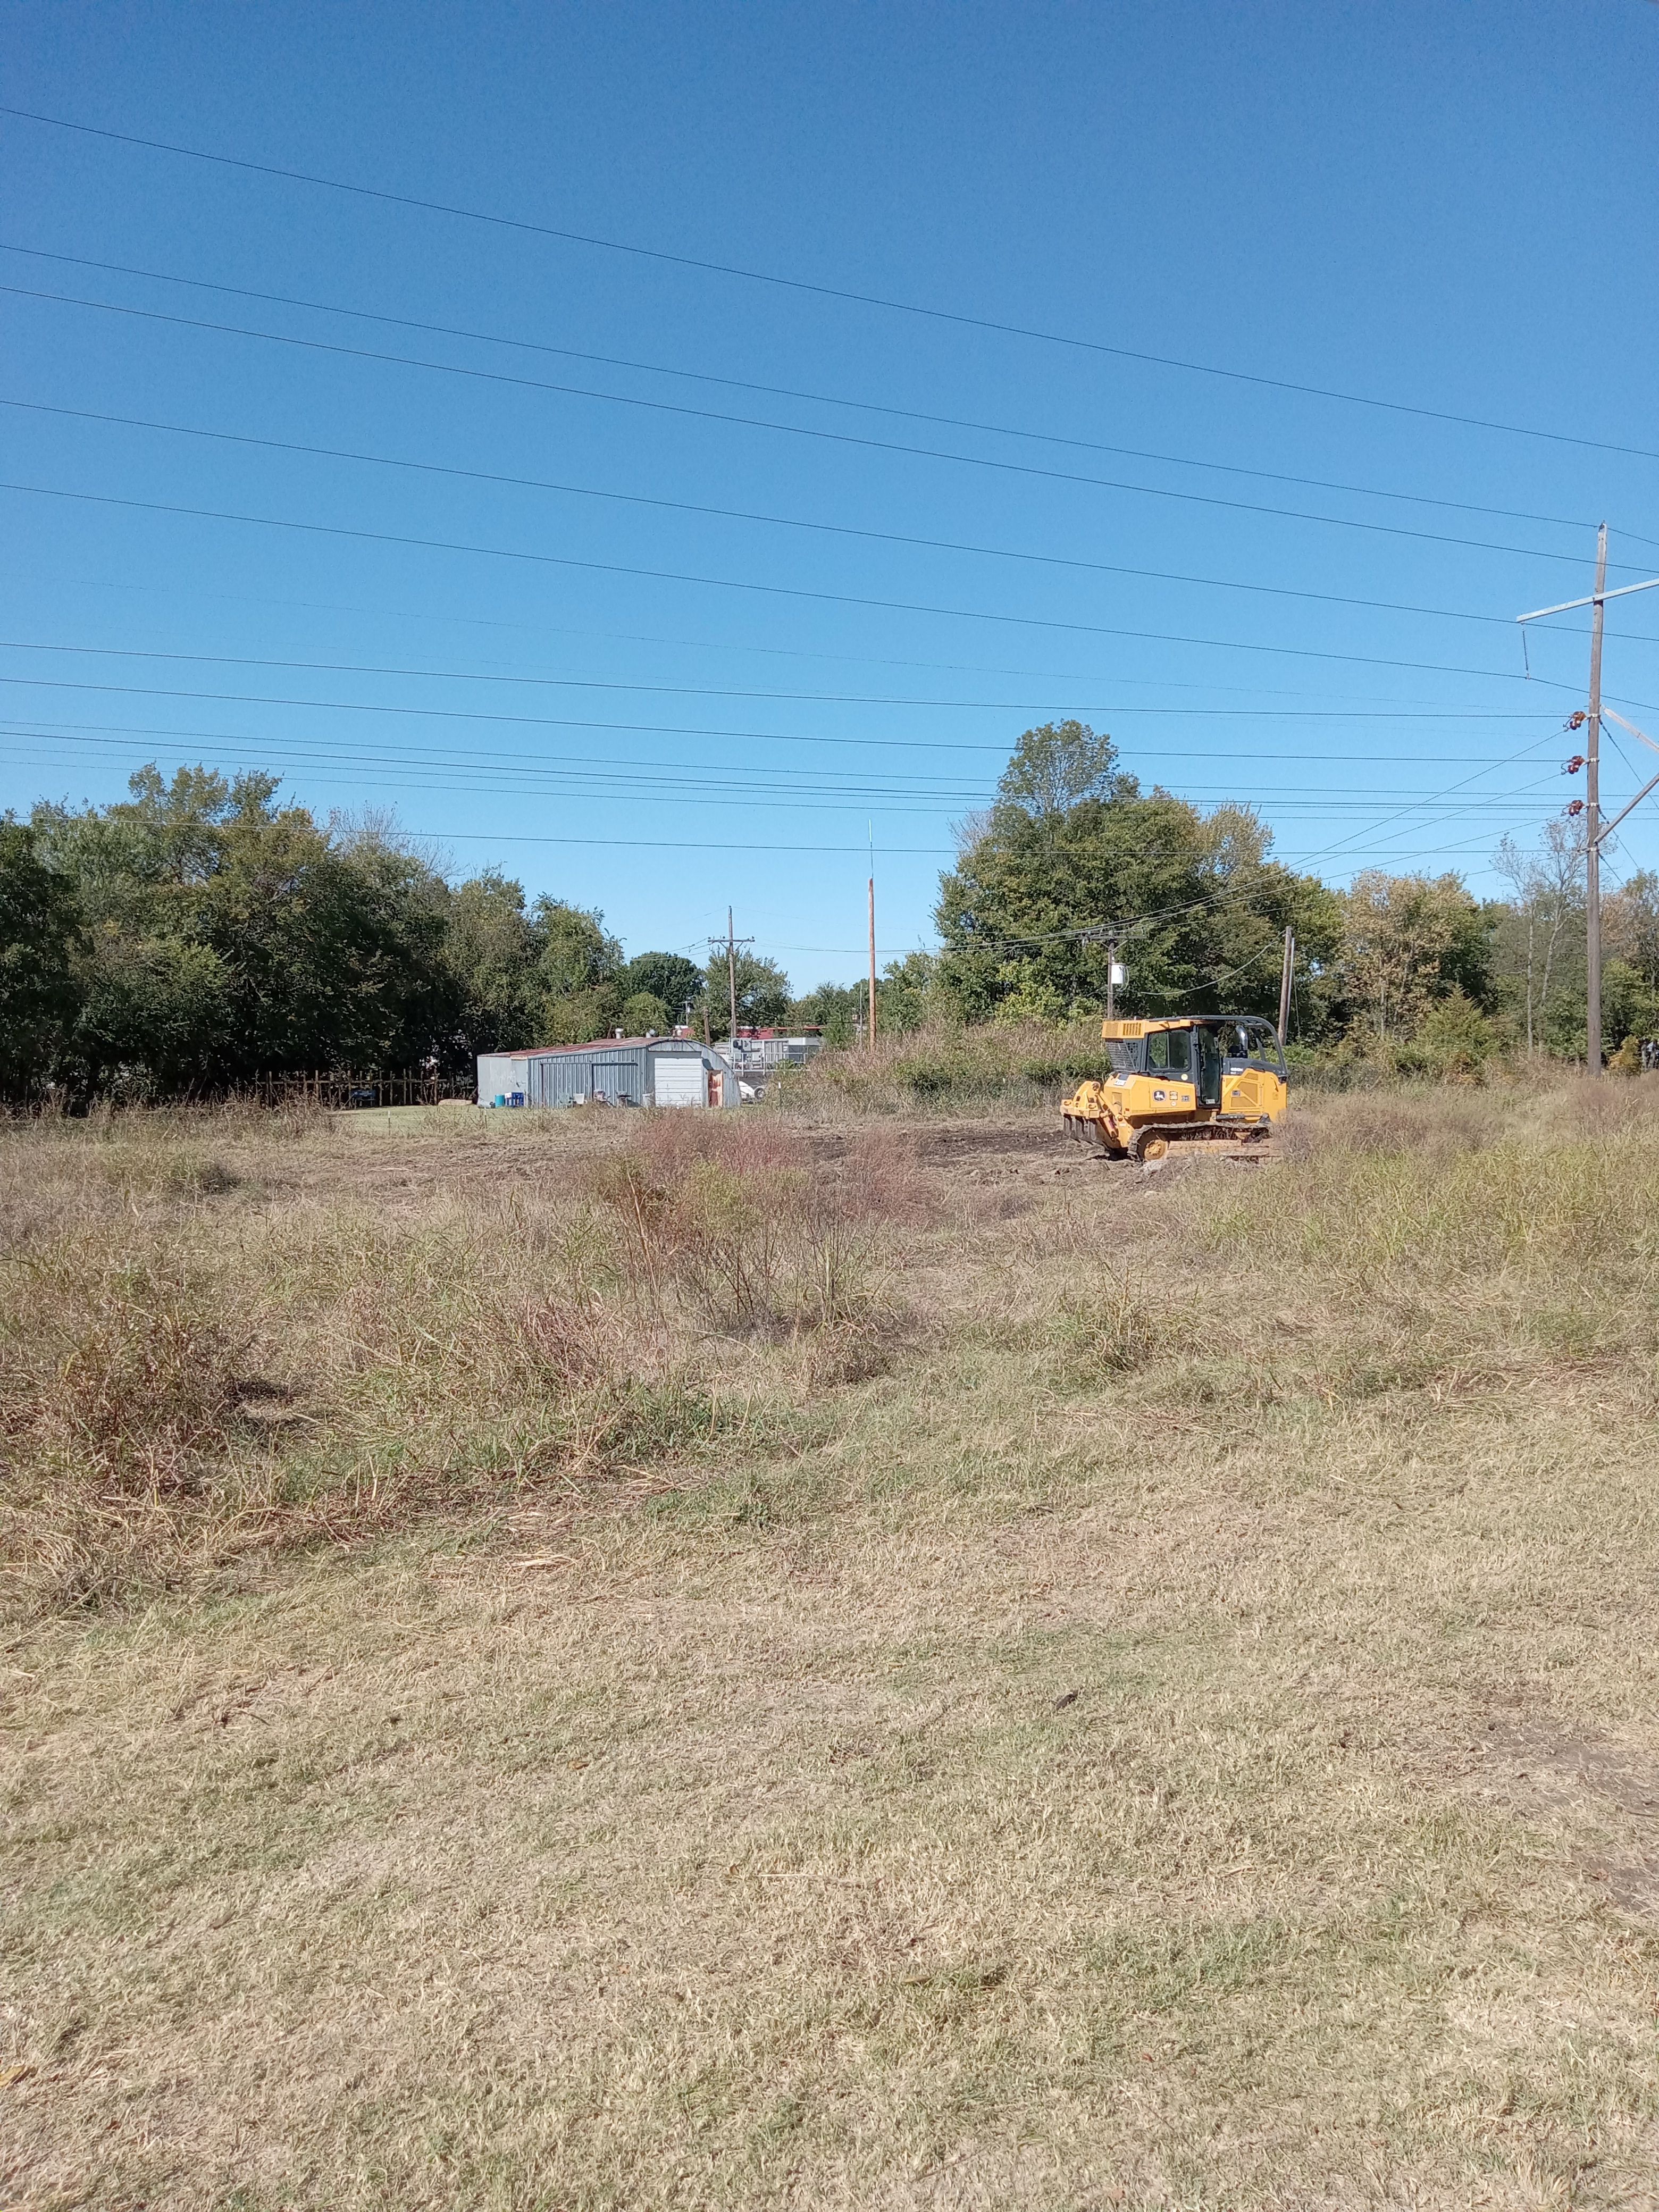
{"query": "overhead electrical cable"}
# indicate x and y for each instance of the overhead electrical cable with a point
(640, 792)
(539, 681)
(813, 398)
(743, 421)
(637, 795)
(890, 661)
(739, 584)
(807, 783)
(808, 780)
(845, 294)
(945, 667)
(1450, 790)
(424, 713)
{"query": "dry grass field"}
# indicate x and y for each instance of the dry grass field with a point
(773, 1661)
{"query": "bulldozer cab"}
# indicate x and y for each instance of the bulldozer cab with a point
(1182, 1076)
(1222, 1057)
(1252, 1072)
(1201, 1048)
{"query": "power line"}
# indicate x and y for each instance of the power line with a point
(533, 679)
(748, 846)
(607, 789)
(670, 780)
(743, 422)
(813, 398)
(927, 786)
(528, 721)
(888, 660)
(1405, 813)
(707, 267)
(806, 783)
(732, 584)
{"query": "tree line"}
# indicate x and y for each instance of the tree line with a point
(1407, 971)
(199, 935)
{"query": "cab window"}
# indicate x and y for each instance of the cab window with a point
(1168, 1052)
(1123, 1054)
(1266, 1050)
(1252, 1045)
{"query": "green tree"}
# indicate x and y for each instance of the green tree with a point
(1409, 940)
(1630, 979)
(42, 941)
(1538, 938)
(575, 951)
(578, 966)
(1630, 927)
(227, 936)
(670, 978)
(645, 1011)
(907, 996)
(764, 997)
(835, 1008)
(1197, 908)
(491, 950)
(1057, 766)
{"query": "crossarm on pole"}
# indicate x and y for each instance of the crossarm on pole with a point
(1608, 829)
(1629, 727)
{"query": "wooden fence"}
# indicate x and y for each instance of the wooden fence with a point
(341, 1089)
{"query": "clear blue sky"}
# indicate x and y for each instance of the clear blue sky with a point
(1450, 208)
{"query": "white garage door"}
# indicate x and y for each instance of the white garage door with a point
(678, 1079)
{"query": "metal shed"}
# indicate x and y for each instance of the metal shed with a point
(503, 1079)
(615, 1072)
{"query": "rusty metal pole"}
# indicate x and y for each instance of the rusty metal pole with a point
(873, 964)
(1593, 822)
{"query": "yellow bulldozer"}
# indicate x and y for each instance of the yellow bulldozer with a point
(1180, 1078)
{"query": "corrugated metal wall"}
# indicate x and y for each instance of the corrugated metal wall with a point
(620, 1071)
(623, 1074)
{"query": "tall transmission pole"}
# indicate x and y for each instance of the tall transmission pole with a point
(1593, 821)
(872, 963)
(873, 937)
(1596, 832)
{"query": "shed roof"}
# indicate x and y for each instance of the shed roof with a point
(600, 1044)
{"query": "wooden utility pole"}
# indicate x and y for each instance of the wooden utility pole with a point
(1593, 822)
(731, 976)
(1284, 975)
(728, 945)
(1111, 979)
(1596, 832)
